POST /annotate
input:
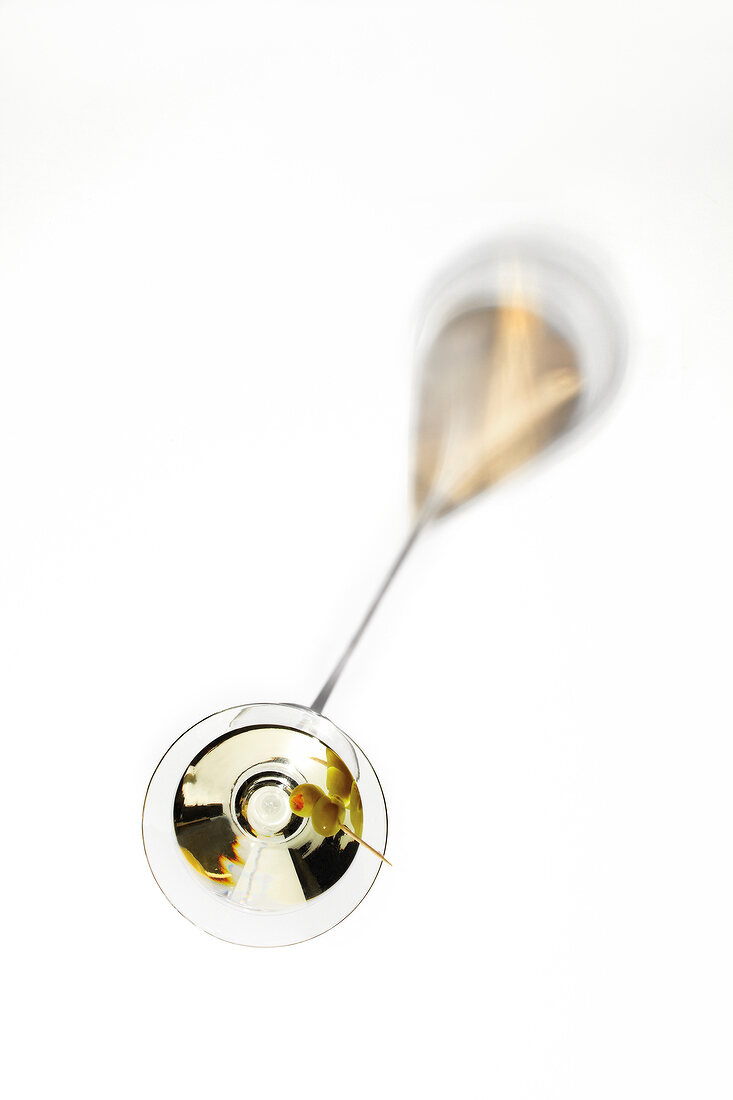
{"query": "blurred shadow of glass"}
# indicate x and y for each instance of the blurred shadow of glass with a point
(520, 344)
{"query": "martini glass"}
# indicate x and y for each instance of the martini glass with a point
(265, 824)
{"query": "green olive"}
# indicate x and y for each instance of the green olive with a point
(304, 798)
(328, 813)
(338, 782)
(356, 810)
(334, 760)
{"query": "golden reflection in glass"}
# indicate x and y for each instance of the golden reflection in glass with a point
(236, 828)
(498, 384)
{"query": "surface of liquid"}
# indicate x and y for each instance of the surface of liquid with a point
(235, 828)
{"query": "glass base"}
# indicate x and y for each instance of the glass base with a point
(228, 848)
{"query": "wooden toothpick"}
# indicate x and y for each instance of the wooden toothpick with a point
(374, 850)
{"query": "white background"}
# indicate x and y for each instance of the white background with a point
(216, 221)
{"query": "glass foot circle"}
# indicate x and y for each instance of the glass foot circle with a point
(228, 848)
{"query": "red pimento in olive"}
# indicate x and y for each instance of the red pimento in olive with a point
(303, 798)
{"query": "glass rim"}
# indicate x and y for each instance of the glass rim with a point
(218, 916)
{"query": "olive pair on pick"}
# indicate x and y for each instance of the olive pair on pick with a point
(326, 812)
(341, 786)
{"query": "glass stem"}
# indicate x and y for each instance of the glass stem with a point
(418, 527)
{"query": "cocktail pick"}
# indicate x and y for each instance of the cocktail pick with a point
(520, 345)
(360, 840)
